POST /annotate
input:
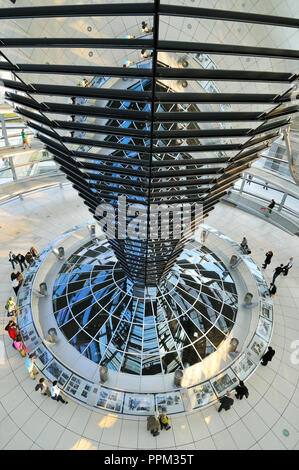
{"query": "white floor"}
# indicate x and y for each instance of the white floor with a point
(31, 421)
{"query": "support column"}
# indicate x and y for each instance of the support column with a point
(282, 202)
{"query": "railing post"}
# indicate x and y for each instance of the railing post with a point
(282, 202)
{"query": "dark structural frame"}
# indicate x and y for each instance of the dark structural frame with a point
(164, 159)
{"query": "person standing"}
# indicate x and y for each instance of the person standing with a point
(287, 267)
(267, 261)
(16, 286)
(30, 366)
(277, 272)
(13, 330)
(29, 258)
(226, 402)
(11, 306)
(271, 205)
(24, 139)
(21, 260)
(272, 289)
(19, 345)
(12, 259)
(244, 243)
(153, 425)
(34, 253)
(55, 393)
(242, 391)
(267, 356)
(43, 387)
(164, 421)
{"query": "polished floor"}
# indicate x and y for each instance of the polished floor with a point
(269, 419)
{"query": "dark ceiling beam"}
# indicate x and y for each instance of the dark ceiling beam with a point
(94, 43)
(65, 11)
(78, 70)
(227, 49)
(224, 75)
(228, 15)
(161, 72)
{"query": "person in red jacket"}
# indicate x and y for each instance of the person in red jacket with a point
(13, 331)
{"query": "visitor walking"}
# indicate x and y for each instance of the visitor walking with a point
(21, 260)
(277, 272)
(271, 205)
(226, 402)
(55, 393)
(242, 391)
(272, 289)
(288, 266)
(12, 259)
(24, 139)
(30, 366)
(267, 356)
(267, 261)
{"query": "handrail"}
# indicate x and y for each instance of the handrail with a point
(290, 153)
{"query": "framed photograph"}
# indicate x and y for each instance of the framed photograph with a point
(201, 395)
(264, 328)
(170, 402)
(266, 311)
(243, 366)
(139, 403)
(223, 382)
(110, 399)
(257, 347)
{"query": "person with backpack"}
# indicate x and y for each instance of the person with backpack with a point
(267, 261)
(164, 421)
(43, 387)
(242, 391)
(11, 307)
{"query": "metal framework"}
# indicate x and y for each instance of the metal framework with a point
(147, 141)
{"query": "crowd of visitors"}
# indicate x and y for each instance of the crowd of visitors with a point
(282, 269)
(21, 261)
